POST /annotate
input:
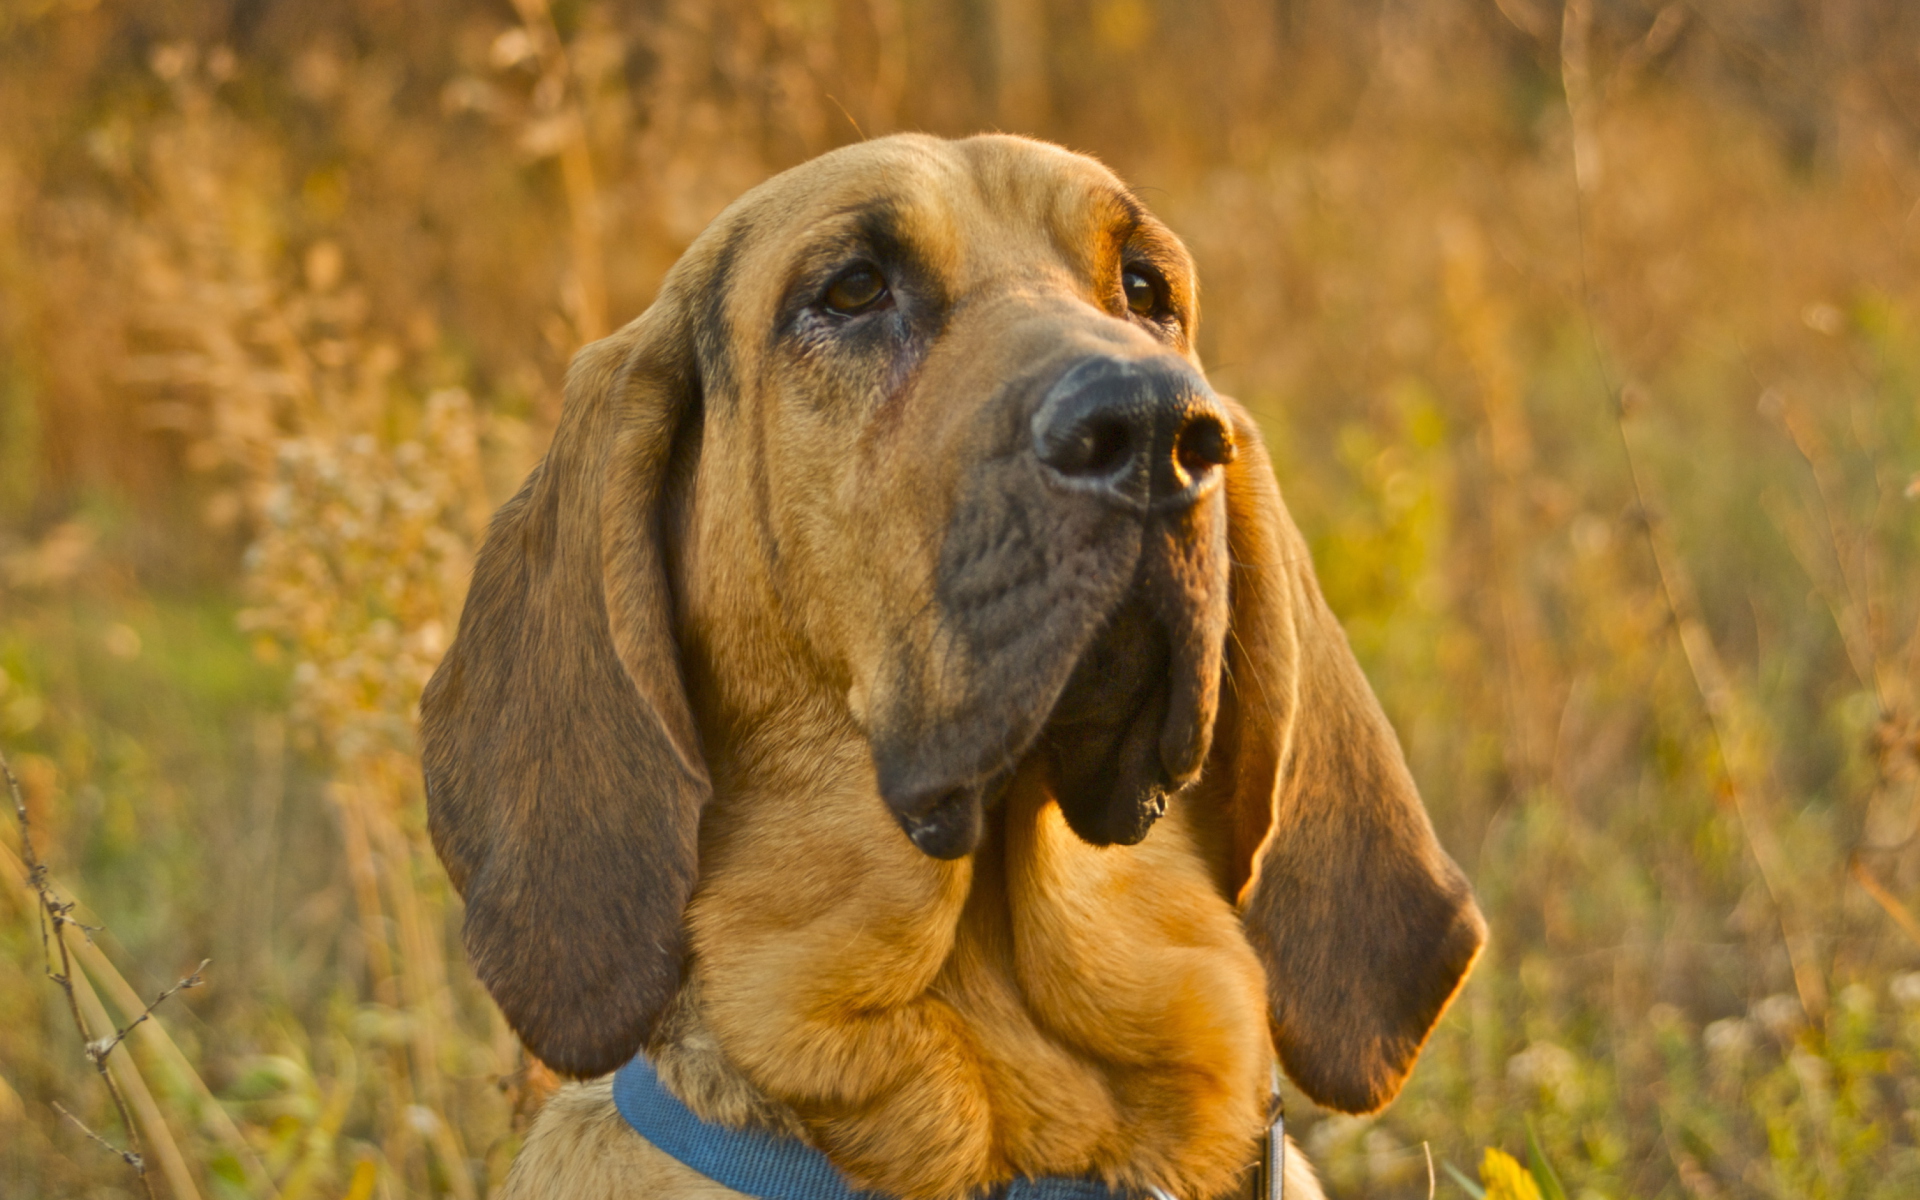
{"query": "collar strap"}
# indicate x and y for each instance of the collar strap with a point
(759, 1164)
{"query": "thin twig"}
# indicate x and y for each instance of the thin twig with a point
(1852, 608)
(129, 1157)
(120, 1035)
(95, 968)
(53, 916)
(1710, 679)
(1732, 735)
(1890, 903)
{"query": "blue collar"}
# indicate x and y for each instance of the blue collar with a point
(760, 1164)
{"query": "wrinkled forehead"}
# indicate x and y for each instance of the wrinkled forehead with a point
(968, 212)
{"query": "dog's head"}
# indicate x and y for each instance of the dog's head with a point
(915, 436)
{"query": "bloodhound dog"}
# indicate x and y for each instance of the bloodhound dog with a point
(900, 707)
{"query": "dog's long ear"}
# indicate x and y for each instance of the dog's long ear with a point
(564, 775)
(1364, 925)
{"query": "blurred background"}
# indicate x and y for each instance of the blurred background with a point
(1586, 336)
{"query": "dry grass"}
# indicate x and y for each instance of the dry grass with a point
(1585, 335)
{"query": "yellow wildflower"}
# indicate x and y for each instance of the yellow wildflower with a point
(1505, 1178)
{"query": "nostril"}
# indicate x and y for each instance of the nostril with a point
(1096, 445)
(1203, 443)
(1110, 443)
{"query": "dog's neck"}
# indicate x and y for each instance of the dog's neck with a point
(1043, 1008)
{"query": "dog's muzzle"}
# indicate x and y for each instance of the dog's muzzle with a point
(1101, 523)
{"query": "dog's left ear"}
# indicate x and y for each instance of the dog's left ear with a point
(564, 775)
(1364, 925)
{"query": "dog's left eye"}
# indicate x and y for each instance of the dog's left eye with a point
(1143, 298)
(856, 291)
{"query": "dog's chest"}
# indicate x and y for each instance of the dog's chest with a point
(1119, 1007)
(1051, 1008)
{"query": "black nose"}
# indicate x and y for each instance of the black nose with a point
(1143, 434)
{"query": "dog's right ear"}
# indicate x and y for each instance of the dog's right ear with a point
(563, 768)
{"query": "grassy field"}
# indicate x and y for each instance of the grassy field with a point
(1586, 336)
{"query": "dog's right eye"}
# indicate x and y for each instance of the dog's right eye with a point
(856, 291)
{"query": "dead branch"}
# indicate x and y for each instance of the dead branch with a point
(129, 1157)
(1727, 718)
(55, 915)
(106, 1045)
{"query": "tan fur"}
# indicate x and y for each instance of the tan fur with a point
(765, 577)
(580, 1148)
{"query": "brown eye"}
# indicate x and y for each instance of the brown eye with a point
(1142, 298)
(858, 290)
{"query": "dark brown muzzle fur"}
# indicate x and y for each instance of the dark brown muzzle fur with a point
(1083, 582)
